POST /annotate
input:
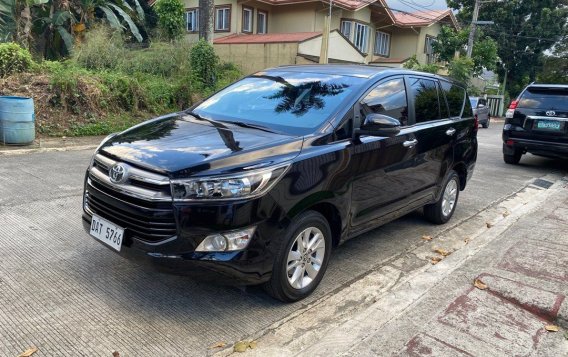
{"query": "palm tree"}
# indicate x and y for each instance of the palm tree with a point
(299, 99)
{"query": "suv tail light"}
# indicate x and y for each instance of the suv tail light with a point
(475, 123)
(514, 104)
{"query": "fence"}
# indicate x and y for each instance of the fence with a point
(496, 105)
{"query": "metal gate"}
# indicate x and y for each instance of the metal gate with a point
(495, 103)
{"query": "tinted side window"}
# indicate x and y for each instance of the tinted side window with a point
(455, 96)
(426, 104)
(387, 98)
(482, 102)
(467, 111)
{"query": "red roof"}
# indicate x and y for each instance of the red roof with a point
(423, 18)
(267, 38)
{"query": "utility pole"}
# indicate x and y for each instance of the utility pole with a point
(472, 28)
(324, 52)
(206, 16)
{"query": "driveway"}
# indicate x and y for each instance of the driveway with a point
(68, 295)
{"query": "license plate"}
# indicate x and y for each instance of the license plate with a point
(107, 232)
(548, 125)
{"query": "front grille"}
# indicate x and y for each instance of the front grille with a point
(142, 205)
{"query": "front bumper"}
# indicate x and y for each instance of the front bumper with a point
(248, 267)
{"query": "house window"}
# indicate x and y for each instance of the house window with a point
(262, 22)
(382, 44)
(192, 20)
(429, 50)
(360, 37)
(222, 18)
(346, 28)
(247, 19)
(357, 33)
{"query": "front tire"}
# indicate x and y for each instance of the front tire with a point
(302, 258)
(441, 211)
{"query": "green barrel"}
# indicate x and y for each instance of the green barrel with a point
(17, 120)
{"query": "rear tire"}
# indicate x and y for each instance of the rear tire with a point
(512, 159)
(301, 259)
(486, 125)
(441, 211)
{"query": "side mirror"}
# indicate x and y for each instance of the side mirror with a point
(379, 125)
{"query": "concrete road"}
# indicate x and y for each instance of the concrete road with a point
(68, 295)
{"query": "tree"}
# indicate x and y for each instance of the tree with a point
(523, 30)
(450, 41)
(170, 17)
(206, 18)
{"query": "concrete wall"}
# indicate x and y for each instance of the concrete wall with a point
(252, 58)
(404, 42)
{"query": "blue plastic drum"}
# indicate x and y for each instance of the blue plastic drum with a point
(17, 120)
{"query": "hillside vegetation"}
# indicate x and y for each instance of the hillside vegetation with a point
(108, 85)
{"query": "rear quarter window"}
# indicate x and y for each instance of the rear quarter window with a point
(544, 98)
(455, 96)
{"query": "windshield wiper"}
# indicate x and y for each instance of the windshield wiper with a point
(199, 117)
(221, 124)
(251, 126)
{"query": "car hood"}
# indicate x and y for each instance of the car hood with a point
(180, 145)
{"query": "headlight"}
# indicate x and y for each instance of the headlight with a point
(230, 187)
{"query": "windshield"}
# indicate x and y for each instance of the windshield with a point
(544, 98)
(290, 102)
(473, 102)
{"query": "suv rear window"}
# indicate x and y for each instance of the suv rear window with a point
(544, 98)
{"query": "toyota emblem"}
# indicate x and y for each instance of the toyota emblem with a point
(118, 173)
(550, 113)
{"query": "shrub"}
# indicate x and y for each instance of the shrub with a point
(170, 17)
(413, 64)
(461, 69)
(101, 49)
(14, 59)
(204, 64)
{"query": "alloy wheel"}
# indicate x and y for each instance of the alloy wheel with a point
(305, 258)
(450, 197)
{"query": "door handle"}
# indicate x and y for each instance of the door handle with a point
(450, 131)
(410, 143)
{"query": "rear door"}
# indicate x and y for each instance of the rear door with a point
(435, 133)
(543, 114)
(482, 110)
(382, 167)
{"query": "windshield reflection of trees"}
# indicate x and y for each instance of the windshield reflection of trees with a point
(300, 99)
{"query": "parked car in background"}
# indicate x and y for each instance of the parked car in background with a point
(481, 110)
(258, 182)
(537, 122)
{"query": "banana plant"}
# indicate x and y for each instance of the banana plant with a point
(116, 12)
(16, 20)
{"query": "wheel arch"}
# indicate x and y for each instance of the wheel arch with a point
(330, 212)
(461, 169)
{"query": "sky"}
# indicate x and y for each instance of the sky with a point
(417, 5)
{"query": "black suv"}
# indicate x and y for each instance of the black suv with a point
(537, 122)
(257, 183)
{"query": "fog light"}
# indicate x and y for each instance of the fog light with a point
(227, 241)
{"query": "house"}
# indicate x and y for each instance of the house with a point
(262, 33)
